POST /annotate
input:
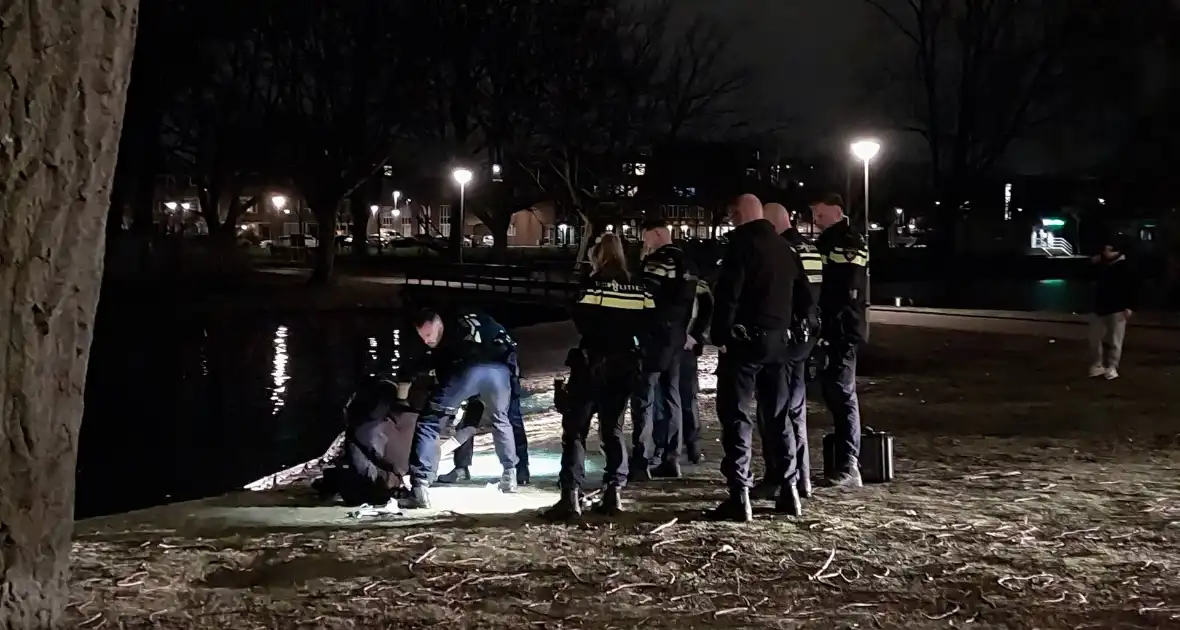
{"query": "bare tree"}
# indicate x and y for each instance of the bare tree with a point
(66, 67)
(216, 127)
(986, 72)
(348, 76)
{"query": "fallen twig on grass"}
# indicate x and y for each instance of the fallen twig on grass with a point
(820, 571)
(624, 587)
(664, 526)
(944, 615)
(423, 557)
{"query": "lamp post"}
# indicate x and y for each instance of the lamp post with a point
(865, 151)
(462, 177)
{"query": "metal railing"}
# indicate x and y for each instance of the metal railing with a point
(541, 282)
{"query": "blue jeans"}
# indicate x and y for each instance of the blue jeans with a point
(656, 418)
(492, 383)
(466, 451)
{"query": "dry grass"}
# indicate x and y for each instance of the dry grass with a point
(1027, 497)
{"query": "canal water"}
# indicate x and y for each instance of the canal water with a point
(180, 406)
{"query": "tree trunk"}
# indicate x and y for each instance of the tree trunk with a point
(65, 67)
(325, 254)
(361, 216)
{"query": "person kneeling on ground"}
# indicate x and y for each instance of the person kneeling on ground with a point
(379, 426)
(470, 355)
(611, 314)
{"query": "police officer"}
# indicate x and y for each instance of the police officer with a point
(694, 346)
(842, 304)
(465, 452)
(610, 315)
(469, 353)
(805, 329)
(656, 414)
(751, 325)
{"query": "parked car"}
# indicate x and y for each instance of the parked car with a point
(289, 242)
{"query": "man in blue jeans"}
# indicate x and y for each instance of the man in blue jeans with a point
(469, 355)
(465, 448)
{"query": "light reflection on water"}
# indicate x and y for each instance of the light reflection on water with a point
(280, 368)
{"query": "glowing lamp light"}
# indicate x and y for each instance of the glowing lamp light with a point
(866, 150)
(396, 213)
(462, 176)
(563, 227)
(374, 209)
(171, 205)
(186, 205)
(279, 201)
(898, 210)
(496, 169)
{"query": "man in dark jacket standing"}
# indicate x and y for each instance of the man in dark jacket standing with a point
(1115, 290)
(751, 325)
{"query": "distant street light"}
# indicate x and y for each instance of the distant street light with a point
(397, 194)
(463, 177)
(396, 213)
(374, 209)
(171, 205)
(186, 205)
(278, 201)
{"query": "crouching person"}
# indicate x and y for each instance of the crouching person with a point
(469, 355)
(374, 464)
(605, 369)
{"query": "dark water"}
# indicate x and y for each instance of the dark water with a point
(181, 407)
(1059, 296)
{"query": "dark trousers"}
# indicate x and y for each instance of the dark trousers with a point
(690, 409)
(796, 374)
(656, 418)
(755, 370)
(838, 385)
(600, 385)
(466, 451)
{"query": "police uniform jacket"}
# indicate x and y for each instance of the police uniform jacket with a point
(755, 286)
(671, 279)
(468, 338)
(805, 295)
(612, 313)
(845, 255)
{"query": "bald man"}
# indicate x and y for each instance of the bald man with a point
(752, 317)
(805, 328)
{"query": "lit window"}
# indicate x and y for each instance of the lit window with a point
(387, 170)
(641, 169)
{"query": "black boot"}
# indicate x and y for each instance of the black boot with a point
(848, 475)
(764, 490)
(695, 456)
(668, 469)
(522, 475)
(457, 474)
(639, 472)
(568, 508)
(611, 503)
(420, 498)
(736, 508)
(788, 501)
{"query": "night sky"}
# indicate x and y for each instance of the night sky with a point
(811, 59)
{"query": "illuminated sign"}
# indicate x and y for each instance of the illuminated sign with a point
(1052, 222)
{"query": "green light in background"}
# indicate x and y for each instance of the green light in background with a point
(1052, 222)
(1053, 281)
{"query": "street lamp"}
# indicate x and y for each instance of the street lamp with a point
(462, 177)
(865, 150)
(397, 194)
